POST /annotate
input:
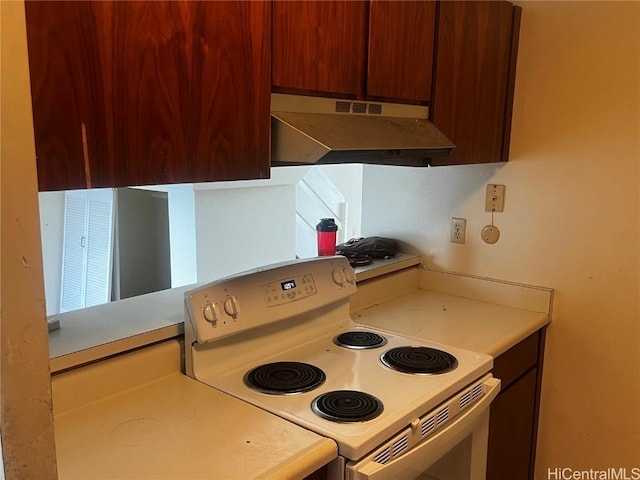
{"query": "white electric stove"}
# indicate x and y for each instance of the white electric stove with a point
(281, 338)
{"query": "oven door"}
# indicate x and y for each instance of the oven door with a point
(455, 451)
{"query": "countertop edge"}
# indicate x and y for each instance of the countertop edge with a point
(306, 462)
(381, 267)
(500, 348)
(115, 347)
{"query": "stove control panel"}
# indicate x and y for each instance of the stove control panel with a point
(289, 290)
(266, 295)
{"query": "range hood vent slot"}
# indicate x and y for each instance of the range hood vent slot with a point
(359, 108)
(375, 109)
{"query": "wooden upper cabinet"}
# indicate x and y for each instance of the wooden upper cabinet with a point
(380, 50)
(319, 46)
(138, 93)
(401, 38)
(474, 79)
(62, 46)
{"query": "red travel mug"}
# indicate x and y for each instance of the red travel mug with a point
(327, 230)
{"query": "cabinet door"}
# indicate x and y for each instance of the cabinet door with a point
(401, 37)
(475, 68)
(192, 91)
(67, 92)
(319, 46)
(143, 52)
(231, 85)
(511, 430)
(158, 92)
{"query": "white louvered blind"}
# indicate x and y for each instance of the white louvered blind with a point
(87, 249)
(72, 288)
(99, 248)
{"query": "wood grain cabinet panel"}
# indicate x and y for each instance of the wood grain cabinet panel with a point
(401, 41)
(474, 78)
(137, 93)
(66, 90)
(381, 50)
(513, 363)
(511, 428)
(319, 46)
(321, 474)
(513, 422)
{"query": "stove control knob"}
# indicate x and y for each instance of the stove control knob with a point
(351, 276)
(338, 276)
(209, 313)
(232, 307)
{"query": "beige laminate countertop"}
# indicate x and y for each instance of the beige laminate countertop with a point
(172, 427)
(464, 323)
(479, 314)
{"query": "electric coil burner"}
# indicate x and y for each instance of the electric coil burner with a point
(284, 378)
(360, 340)
(347, 406)
(282, 339)
(419, 360)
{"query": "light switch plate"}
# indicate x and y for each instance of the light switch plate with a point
(494, 199)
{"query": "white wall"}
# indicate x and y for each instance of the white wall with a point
(142, 242)
(238, 229)
(182, 231)
(52, 232)
(571, 221)
(182, 235)
(243, 225)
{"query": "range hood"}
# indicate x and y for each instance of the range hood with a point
(313, 130)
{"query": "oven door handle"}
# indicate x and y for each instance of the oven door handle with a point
(414, 462)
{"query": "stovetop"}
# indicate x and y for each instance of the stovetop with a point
(223, 360)
(404, 396)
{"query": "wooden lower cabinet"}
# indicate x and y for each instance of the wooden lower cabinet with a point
(514, 412)
(511, 430)
(320, 474)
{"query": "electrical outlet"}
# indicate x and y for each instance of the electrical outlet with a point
(458, 227)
